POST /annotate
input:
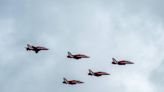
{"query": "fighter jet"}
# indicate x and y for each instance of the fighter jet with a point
(97, 74)
(121, 62)
(71, 82)
(35, 48)
(76, 56)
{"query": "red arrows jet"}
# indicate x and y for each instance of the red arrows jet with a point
(71, 82)
(76, 56)
(35, 48)
(97, 74)
(121, 62)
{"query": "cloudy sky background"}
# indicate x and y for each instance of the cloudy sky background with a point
(102, 29)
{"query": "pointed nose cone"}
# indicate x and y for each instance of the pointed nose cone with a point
(81, 82)
(46, 48)
(129, 62)
(107, 74)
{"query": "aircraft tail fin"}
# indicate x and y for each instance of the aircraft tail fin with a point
(28, 45)
(65, 80)
(114, 60)
(69, 55)
(91, 72)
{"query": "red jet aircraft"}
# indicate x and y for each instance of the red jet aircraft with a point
(76, 56)
(97, 74)
(35, 48)
(71, 82)
(121, 62)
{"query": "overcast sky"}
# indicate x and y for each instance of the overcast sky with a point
(124, 29)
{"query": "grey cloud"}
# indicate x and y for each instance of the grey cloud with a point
(100, 29)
